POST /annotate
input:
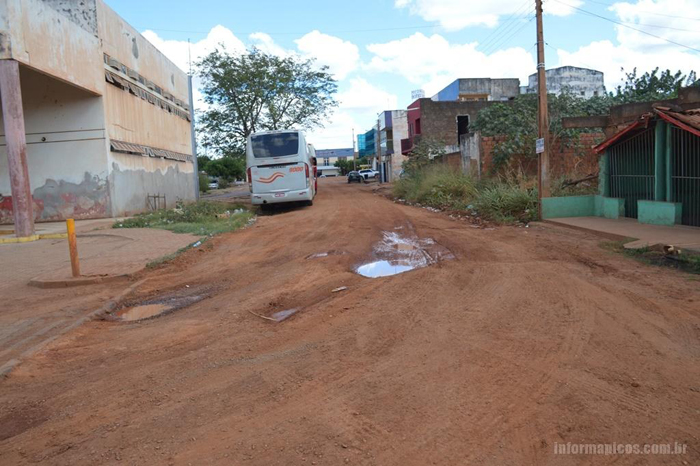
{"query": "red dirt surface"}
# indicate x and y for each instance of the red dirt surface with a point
(527, 339)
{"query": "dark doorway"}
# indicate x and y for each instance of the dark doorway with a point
(462, 126)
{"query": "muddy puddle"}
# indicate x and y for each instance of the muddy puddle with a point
(155, 308)
(400, 252)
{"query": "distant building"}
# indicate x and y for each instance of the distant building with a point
(581, 82)
(393, 127)
(479, 90)
(331, 156)
(102, 116)
(366, 143)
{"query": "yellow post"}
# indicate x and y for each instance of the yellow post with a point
(73, 247)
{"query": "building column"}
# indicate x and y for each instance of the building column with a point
(660, 161)
(669, 163)
(604, 175)
(13, 118)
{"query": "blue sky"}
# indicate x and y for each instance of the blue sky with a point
(380, 50)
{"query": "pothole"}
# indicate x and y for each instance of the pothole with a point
(397, 253)
(282, 315)
(156, 308)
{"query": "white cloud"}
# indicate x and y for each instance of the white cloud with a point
(358, 107)
(433, 62)
(178, 51)
(611, 59)
(458, 14)
(267, 44)
(651, 16)
(342, 57)
(641, 51)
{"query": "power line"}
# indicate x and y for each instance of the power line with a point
(506, 21)
(648, 12)
(629, 27)
(298, 33)
(505, 40)
(508, 26)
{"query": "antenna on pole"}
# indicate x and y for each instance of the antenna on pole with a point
(189, 55)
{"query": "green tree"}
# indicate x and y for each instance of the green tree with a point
(516, 121)
(344, 165)
(229, 168)
(654, 85)
(202, 162)
(257, 91)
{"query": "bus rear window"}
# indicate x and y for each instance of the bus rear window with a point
(275, 145)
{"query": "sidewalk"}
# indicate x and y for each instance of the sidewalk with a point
(29, 315)
(682, 237)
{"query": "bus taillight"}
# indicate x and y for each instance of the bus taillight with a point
(307, 174)
(250, 180)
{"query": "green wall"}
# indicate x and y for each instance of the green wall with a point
(659, 213)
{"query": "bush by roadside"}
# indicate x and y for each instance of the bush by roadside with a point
(502, 200)
(199, 218)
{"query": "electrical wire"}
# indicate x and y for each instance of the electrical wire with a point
(506, 39)
(628, 27)
(648, 12)
(512, 23)
(506, 22)
(298, 33)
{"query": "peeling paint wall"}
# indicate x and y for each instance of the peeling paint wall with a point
(66, 151)
(132, 178)
(45, 36)
(581, 82)
(72, 113)
(134, 120)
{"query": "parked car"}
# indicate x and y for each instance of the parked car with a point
(368, 173)
(214, 185)
(355, 176)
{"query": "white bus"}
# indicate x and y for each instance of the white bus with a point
(281, 167)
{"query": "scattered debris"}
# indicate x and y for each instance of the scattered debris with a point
(341, 288)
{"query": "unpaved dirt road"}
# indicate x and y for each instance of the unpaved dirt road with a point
(527, 339)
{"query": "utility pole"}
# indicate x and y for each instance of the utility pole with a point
(354, 159)
(542, 114)
(379, 151)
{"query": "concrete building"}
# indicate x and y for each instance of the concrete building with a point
(331, 156)
(95, 118)
(581, 82)
(480, 90)
(393, 127)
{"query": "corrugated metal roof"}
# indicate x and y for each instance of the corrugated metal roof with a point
(688, 120)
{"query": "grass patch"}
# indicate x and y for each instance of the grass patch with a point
(502, 200)
(200, 218)
(686, 262)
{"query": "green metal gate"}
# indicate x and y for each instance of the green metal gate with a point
(632, 170)
(685, 174)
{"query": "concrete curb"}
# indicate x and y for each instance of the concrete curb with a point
(28, 239)
(105, 309)
(70, 282)
(602, 234)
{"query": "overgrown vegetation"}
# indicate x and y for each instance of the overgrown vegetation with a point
(500, 200)
(517, 120)
(687, 262)
(200, 218)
